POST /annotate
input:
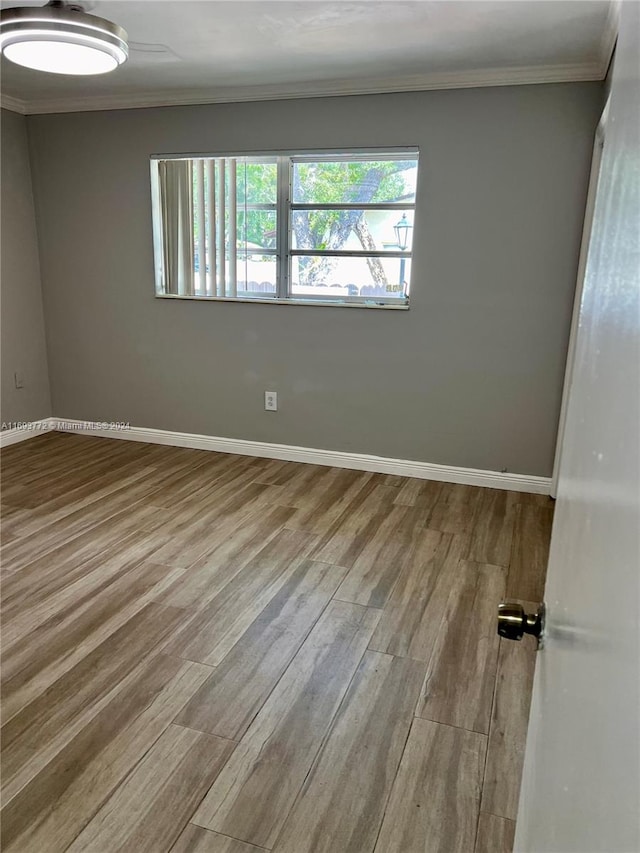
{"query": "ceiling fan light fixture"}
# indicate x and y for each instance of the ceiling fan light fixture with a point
(61, 39)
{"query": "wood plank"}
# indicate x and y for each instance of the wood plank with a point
(27, 522)
(530, 552)
(254, 793)
(378, 566)
(423, 493)
(219, 625)
(327, 501)
(147, 813)
(19, 454)
(495, 834)
(436, 796)
(194, 839)
(46, 589)
(56, 645)
(302, 482)
(198, 482)
(227, 703)
(278, 472)
(509, 720)
(492, 532)
(64, 516)
(456, 509)
(535, 500)
(205, 578)
(64, 473)
(458, 689)
(201, 526)
(411, 619)
(58, 713)
(90, 536)
(342, 803)
(348, 537)
(394, 480)
(48, 812)
(32, 584)
(6, 536)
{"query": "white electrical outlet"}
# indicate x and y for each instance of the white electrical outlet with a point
(271, 401)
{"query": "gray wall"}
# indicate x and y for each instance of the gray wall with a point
(471, 375)
(22, 325)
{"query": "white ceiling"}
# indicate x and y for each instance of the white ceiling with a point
(197, 51)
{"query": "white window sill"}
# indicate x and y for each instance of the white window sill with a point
(316, 303)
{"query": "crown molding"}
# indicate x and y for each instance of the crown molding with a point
(13, 104)
(525, 75)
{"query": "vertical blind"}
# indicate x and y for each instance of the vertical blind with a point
(176, 200)
(197, 228)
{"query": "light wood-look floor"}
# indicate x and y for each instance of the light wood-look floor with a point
(223, 654)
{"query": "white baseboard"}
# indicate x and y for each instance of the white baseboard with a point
(333, 458)
(30, 429)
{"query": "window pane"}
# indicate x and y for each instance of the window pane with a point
(339, 278)
(256, 276)
(216, 222)
(352, 230)
(256, 229)
(355, 182)
(257, 182)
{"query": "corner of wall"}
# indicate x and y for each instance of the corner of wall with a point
(24, 350)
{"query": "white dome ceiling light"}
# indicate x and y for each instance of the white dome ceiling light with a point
(61, 38)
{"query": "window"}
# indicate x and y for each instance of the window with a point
(306, 228)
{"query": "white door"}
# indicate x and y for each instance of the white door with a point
(596, 162)
(581, 783)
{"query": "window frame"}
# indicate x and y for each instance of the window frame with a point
(285, 207)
